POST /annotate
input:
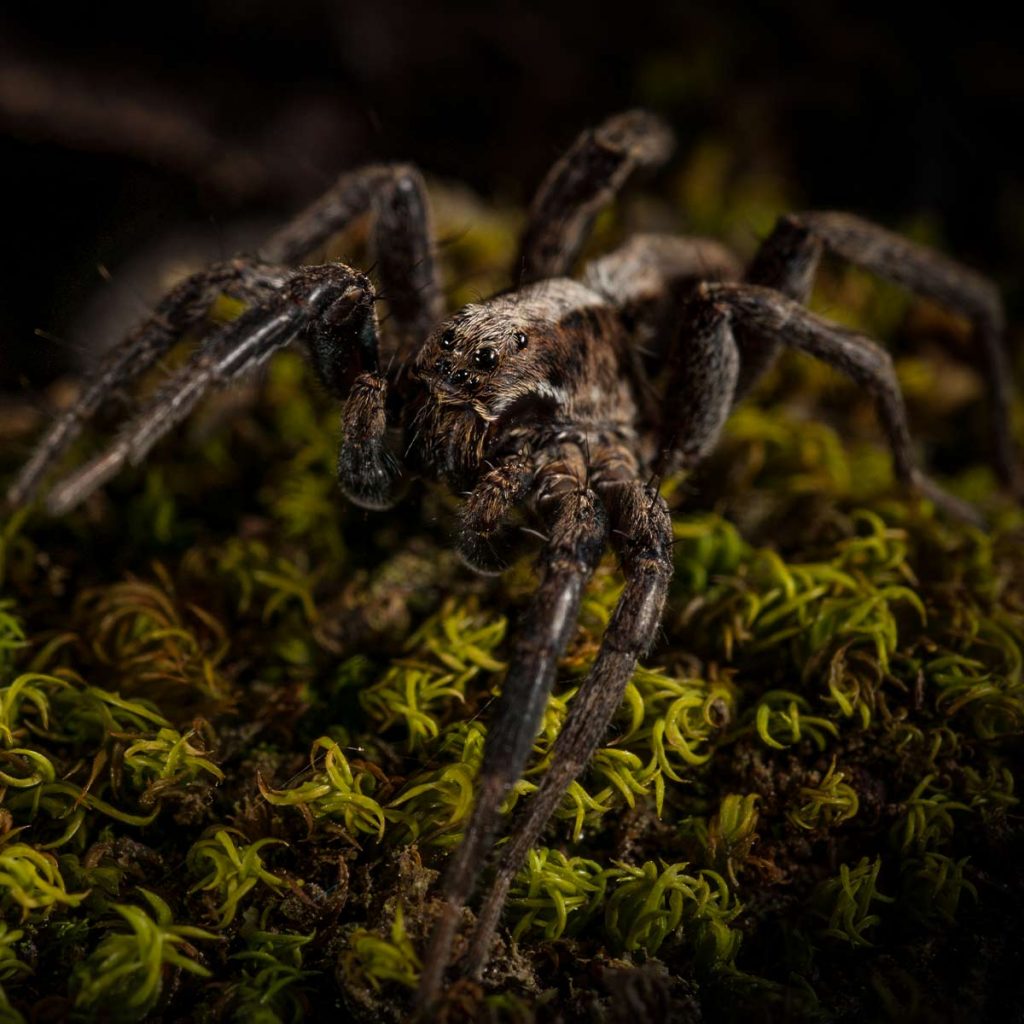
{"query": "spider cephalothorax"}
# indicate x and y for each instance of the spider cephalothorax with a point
(550, 354)
(561, 399)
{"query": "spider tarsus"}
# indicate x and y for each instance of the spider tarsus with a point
(952, 506)
(488, 556)
(368, 472)
(74, 489)
(367, 480)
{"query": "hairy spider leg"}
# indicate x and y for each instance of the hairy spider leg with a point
(769, 318)
(788, 259)
(337, 301)
(368, 471)
(402, 240)
(402, 244)
(704, 366)
(642, 536)
(585, 180)
(486, 542)
(184, 309)
(577, 528)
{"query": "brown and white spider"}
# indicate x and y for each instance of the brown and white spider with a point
(562, 397)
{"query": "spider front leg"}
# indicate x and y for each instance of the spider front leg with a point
(368, 472)
(642, 535)
(788, 260)
(401, 237)
(577, 530)
(402, 243)
(336, 302)
(180, 312)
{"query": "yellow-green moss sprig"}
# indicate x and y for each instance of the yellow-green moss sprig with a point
(273, 983)
(447, 653)
(731, 833)
(125, 974)
(233, 871)
(827, 804)
(554, 895)
(928, 821)
(934, 884)
(847, 901)
(167, 760)
(647, 905)
(31, 690)
(336, 790)
(11, 967)
(31, 879)
(373, 961)
(781, 720)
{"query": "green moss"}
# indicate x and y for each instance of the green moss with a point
(647, 906)
(553, 893)
(31, 879)
(233, 872)
(125, 974)
(847, 901)
(271, 983)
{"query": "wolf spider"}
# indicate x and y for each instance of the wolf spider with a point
(563, 396)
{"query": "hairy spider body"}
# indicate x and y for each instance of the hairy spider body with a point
(564, 398)
(547, 355)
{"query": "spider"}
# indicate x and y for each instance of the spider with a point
(566, 397)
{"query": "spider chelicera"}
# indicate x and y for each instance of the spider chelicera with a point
(562, 397)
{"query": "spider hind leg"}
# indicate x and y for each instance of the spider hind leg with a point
(788, 259)
(775, 320)
(581, 184)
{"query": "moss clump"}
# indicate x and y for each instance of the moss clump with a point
(123, 977)
(240, 723)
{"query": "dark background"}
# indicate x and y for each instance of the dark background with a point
(116, 128)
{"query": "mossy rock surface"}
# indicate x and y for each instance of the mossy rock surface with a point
(240, 720)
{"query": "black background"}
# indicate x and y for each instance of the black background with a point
(115, 126)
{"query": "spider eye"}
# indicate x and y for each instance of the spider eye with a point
(485, 358)
(521, 340)
(448, 339)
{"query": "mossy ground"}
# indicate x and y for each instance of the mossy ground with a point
(239, 721)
